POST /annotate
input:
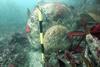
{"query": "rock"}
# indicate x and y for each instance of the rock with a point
(55, 39)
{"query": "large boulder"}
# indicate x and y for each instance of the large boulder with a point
(53, 14)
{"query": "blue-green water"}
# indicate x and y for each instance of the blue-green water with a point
(13, 15)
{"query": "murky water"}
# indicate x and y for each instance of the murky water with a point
(15, 48)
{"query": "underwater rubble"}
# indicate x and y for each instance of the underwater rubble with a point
(14, 50)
